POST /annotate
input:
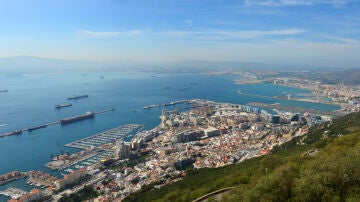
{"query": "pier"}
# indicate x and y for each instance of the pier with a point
(37, 127)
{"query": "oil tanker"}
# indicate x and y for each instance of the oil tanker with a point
(87, 115)
(75, 97)
(58, 106)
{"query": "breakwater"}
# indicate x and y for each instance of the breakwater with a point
(67, 120)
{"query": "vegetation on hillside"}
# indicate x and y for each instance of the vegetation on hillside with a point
(85, 194)
(323, 165)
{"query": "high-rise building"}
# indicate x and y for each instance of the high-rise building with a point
(275, 119)
(122, 149)
(188, 136)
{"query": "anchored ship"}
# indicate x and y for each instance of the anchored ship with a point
(75, 97)
(87, 115)
(58, 106)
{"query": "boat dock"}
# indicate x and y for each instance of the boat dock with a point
(104, 137)
(13, 193)
(30, 129)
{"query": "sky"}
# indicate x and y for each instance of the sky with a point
(311, 32)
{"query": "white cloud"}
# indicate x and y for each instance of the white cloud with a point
(229, 34)
(189, 23)
(281, 52)
(88, 34)
(276, 3)
(259, 33)
(191, 35)
(343, 40)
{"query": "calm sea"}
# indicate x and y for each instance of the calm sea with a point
(31, 98)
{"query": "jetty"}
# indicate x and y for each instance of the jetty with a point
(9, 177)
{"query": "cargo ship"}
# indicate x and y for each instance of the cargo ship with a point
(59, 106)
(87, 115)
(75, 97)
(184, 89)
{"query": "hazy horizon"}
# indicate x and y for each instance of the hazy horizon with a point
(31, 64)
(308, 32)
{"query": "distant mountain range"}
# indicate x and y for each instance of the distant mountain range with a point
(349, 76)
(29, 64)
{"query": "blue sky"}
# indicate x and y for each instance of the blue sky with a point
(314, 32)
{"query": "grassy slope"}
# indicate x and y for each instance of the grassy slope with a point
(285, 175)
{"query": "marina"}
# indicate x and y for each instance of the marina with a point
(13, 193)
(64, 163)
(91, 153)
(105, 137)
(85, 162)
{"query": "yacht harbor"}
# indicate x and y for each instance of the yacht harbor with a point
(105, 137)
(93, 149)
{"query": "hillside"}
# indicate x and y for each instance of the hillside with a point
(348, 77)
(320, 166)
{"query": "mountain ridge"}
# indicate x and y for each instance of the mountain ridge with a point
(31, 64)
